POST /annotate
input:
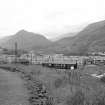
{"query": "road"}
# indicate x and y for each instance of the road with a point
(12, 89)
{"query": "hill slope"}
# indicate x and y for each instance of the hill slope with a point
(63, 36)
(25, 40)
(92, 38)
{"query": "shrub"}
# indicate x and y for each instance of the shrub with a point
(50, 101)
(74, 77)
(100, 99)
(103, 79)
(58, 82)
(77, 99)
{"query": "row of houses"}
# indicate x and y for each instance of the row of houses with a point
(97, 53)
(53, 59)
(95, 60)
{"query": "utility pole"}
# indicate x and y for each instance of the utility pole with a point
(16, 52)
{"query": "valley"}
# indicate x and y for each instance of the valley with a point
(69, 71)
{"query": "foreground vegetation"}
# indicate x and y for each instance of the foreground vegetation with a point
(55, 87)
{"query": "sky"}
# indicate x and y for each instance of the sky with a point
(48, 17)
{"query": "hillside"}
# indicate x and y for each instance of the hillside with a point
(25, 40)
(92, 38)
(63, 36)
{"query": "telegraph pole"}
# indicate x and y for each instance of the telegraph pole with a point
(16, 52)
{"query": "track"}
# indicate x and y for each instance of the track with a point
(12, 89)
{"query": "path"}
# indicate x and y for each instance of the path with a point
(12, 89)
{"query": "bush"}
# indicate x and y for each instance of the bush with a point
(58, 82)
(77, 99)
(100, 99)
(50, 101)
(74, 77)
(103, 79)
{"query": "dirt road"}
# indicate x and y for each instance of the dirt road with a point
(12, 89)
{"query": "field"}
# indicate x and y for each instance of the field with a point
(56, 87)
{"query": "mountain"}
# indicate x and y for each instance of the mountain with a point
(25, 40)
(90, 39)
(63, 36)
(57, 33)
(60, 46)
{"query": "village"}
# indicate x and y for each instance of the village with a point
(54, 60)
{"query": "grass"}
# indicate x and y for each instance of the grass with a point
(67, 88)
(62, 85)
